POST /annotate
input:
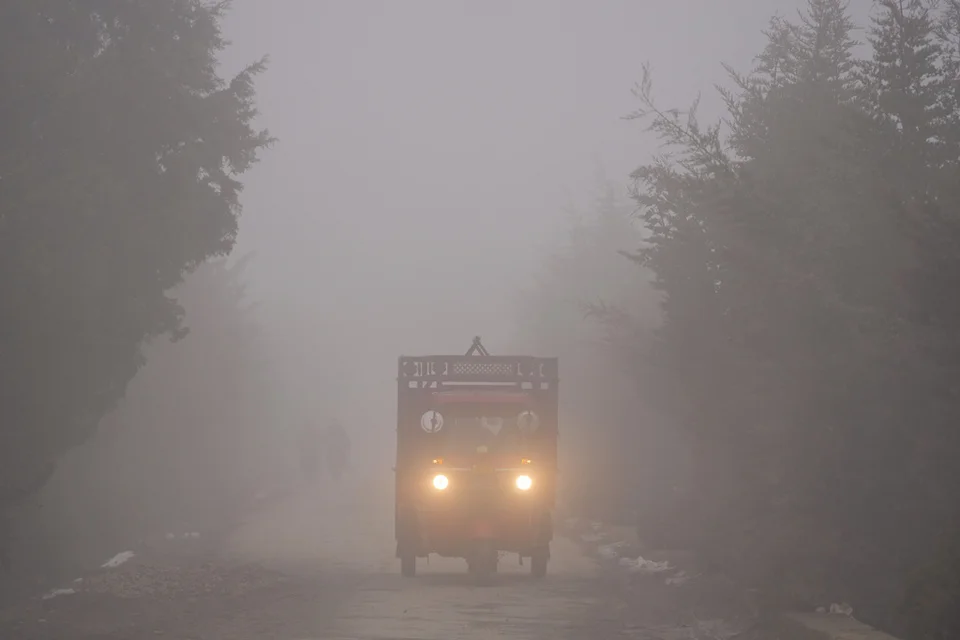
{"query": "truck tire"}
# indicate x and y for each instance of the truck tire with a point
(538, 563)
(408, 565)
(408, 541)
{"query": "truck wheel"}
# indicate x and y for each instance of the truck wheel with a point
(538, 563)
(408, 565)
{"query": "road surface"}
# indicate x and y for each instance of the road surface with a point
(319, 564)
(351, 541)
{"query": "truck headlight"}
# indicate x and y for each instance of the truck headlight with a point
(440, 482)
(524, 483)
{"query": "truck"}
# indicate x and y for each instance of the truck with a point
(476, 459)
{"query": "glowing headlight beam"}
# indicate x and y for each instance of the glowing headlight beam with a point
(440, 482)
(524, 483)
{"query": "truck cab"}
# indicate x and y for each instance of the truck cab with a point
(476, 462)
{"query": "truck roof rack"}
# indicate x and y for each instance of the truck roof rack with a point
(476, 366)
(477, 348)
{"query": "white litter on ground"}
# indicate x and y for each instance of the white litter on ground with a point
(677, 579)
(842, 609)
(640, 565)
(117, 560)
(50, 595)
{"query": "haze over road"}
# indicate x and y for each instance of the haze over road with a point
(318, 563)
(347, 541)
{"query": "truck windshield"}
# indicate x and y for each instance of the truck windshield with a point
(499, 435)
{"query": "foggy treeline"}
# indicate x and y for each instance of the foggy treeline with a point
(186, 448)
(757, 328)
(122, 149)
(803, 251)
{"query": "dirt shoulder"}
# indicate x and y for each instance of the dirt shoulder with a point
(662, 593)
(211, 585)
(150, 599)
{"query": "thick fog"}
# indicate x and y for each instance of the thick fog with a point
(751, 331)
(427, 153)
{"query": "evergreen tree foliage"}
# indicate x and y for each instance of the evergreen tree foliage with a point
(121, 151)
(805, 252)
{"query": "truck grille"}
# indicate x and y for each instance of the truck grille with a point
(483, 369)
(482, 487)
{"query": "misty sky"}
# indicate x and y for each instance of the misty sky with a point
(427, 149)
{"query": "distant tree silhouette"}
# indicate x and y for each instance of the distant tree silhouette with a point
(121, 155)
(806, 250)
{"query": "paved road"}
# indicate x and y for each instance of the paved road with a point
(350, 539)
(320, 564)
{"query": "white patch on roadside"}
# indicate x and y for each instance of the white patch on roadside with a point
(641, 565)
(50, 595)
(677, 579)
(842, 609)
(117, 560)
